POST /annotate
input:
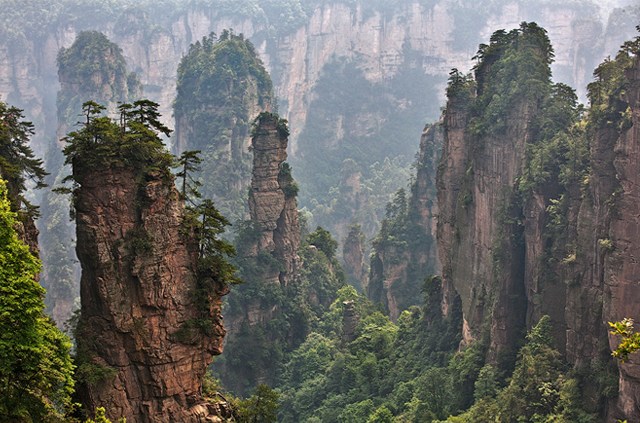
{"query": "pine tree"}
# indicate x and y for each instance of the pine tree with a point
(17, 161)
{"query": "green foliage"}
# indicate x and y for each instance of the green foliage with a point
(94, 374)
(512, 70)
(214, 250)
(538, 391)
(294, 309)
(629, 338)
(215, 270)
(322, 240)
(219, 82)
(188, 163)
(460, 87)
(286, 181)
(261, 407)
(134, 142)
(35, 367)
(17, 161)
(101, 417)
(386, 370)
(606, 93)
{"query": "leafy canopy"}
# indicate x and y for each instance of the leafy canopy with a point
(35, 366)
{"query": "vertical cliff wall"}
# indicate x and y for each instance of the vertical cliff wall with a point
(93, 68)
(150, 318)
(405, 252)
(609, 258)
(222, 87)
(489, 126)
(537, 208)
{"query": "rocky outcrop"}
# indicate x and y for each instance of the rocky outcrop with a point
(272, 197)
(404, 253)
(353, 253)
(93, 68)
(616, 196)
(534, 223)
(139, 279)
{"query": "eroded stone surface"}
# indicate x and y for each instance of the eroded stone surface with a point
(137, 292)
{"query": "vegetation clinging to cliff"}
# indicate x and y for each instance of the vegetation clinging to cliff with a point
(18, 164)
(133, 141)
(221, 85)
(35, 367)
(512, 69)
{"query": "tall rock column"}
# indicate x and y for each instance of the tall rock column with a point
(148, 330)
(620, 269)
(272, 196)
(93, 68)
(264, 316)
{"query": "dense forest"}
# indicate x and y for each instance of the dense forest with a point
(319, 211)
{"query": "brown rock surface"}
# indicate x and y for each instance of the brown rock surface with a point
(620, 271)
(138, 280)
(273, 210)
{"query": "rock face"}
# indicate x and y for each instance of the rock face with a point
(137, 292)
(222, 87)
(405, 253)
(93, 68)
(615, 270)
(353, 252)
(528, 227)
(272, 201)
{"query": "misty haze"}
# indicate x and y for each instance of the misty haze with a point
(358, 211)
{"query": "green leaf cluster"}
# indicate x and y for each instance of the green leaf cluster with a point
(134, 141)
(35, 367)
(18, 164)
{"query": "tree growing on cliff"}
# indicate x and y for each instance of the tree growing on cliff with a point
(189, 163)
(17, 161)
(35, 366)
(134, 140)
